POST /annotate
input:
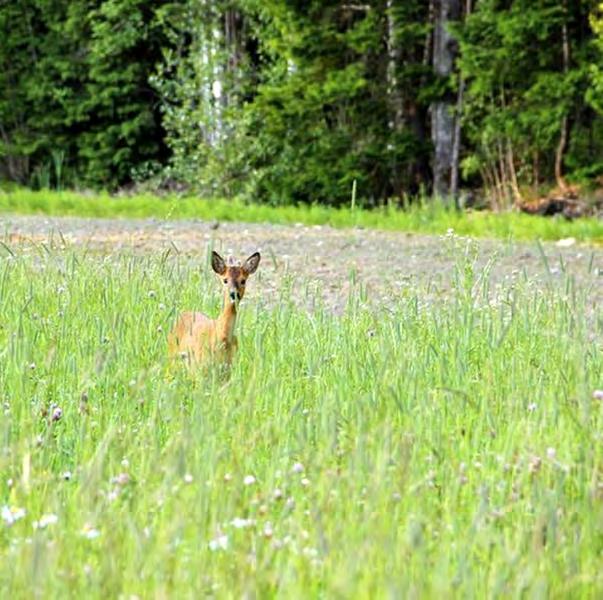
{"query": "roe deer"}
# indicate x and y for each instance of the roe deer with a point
(196, 337)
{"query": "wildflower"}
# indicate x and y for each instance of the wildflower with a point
(239, 523)
(121, 479)
(89, 532)
(268, 530)
(277, 494)
(11, 515)
(45, 521)
(297, 468)
(535, 464)
(249, 480)
(32, 366)
(305, 482)
(219, 543)
(532, 407)
(57, 413)
(551, 453)
(152, 294)
(598, 395)
(125, 463)
(188, 478)
(67, 475)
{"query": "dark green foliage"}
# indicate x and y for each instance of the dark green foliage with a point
(315, 115)
(285, 101)
(74, 96)
(42, 67)
(120, 115)
(525, 88)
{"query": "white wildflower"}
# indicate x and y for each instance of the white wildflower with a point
(239, 523)
(219, 543)
(90, 532)
(45, 521)
(268, 530)
(11, 515)
(249, 480)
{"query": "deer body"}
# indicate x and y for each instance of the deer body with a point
(196, 338)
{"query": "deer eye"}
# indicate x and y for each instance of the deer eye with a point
(242, 282)
(226, 281)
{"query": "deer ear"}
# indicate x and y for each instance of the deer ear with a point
(217, 263)
(251, 264)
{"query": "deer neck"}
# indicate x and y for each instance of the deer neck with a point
(227, 320)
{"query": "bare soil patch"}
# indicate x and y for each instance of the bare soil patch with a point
(383, 263)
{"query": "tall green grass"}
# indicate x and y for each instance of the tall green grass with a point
(432, 218)
(423, 448)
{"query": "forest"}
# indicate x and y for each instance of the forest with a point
(289, 101)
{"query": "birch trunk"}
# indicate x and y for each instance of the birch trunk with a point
(456, 143)
(442, 118)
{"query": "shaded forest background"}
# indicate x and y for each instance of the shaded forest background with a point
(286, 101)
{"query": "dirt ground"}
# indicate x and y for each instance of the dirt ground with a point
(383, 263)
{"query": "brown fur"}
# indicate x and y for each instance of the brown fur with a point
(196, 338)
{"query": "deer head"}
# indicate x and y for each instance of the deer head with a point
(234, 275)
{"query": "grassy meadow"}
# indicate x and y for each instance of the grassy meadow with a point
(422, 448)
(429, 218)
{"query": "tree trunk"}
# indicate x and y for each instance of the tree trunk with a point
(442, 118)
(393, 60)
(394, 95)
(517, 199)
(456, 142)
(561, 183)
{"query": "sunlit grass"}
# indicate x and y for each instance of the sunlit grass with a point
(428, 448)
(433, 219)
